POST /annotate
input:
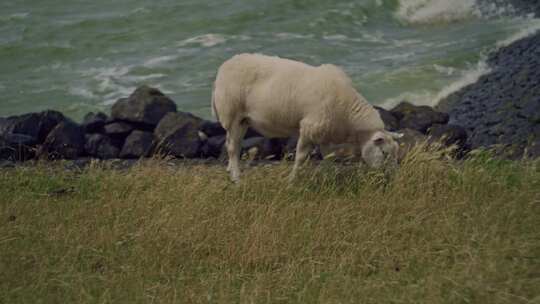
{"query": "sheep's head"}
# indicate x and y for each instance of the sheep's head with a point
(381, 148)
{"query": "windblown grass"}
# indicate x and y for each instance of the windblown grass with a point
(434, 231)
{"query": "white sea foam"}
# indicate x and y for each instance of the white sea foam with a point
(143, 78)
(286, 36)
(336, 37)
(206, 40)
(428, 98)
(435, 11)
(444, 69)
(394, 57)
(15, 16)
(531, 29)
(159, 61)
(467, 77)
(446, 11)
(82, 92)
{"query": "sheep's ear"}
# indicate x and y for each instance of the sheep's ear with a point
(378, 138)
(378, 141)
(395, 135)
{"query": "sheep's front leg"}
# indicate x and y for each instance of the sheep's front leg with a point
(235, 134)
(303, 147)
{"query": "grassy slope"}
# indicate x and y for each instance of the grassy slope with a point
(434, 232)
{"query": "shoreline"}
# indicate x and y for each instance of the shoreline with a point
(502, 109)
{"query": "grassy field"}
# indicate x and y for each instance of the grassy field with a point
(435, 231)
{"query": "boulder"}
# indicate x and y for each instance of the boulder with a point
(94, 122)
(17, 147)
(118, 130)
(138, 144)
(145, 106)
(172, 121)
(177, 134)
(448, 134)
(391, 123)
(100, 146)
(418, 118)
(66, 140)
(212, 128)
(214, 146)
(36, 125)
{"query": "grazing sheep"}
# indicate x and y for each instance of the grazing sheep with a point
(281, 98)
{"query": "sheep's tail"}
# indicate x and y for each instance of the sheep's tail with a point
(214, 111)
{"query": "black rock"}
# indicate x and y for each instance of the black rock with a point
(418, 118)
(172, 121)
(212, 128)
(263, 148)
(36, 125)
(177, 134)
(17, 147)
(144, 106)
(100, 146)
(94, 122)
(391, 123)
(118, 130)
(448, 134)
(214, 146)
(66, 140)
(252, 133)
(138, 144)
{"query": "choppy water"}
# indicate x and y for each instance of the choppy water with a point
(78, 56)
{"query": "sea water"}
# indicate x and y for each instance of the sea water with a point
(78, 56)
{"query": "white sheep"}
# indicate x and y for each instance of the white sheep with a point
(281, 98)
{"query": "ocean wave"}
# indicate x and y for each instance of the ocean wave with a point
(430, 98)
(446, 11)
(468, 77)
(82, 92)
(533, 27)
(206, 40)
(287, 36)
(159, 61)
(436, 11)
(395, 57)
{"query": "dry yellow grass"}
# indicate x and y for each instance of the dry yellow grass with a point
(435, 231)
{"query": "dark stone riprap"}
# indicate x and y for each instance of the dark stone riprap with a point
(502, 109)
(137, 133)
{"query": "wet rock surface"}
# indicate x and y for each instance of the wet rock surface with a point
(66, 140)
(94, 122)
(418, 118)
(36, 125)
(177, 134)
(138, 144)
(100, 146)
(145, 106)
(17, 147)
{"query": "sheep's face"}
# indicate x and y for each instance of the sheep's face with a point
(381, 148)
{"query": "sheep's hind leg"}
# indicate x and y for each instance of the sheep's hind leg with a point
(303, 147)
(235, 134)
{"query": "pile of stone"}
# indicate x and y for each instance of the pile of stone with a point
(421, 124)
(148, 123)
(502, 109)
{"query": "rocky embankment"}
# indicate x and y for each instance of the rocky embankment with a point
(502, 109)
(148, 123)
